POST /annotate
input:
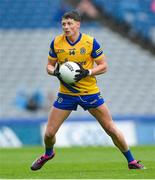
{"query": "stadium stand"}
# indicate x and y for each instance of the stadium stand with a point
(135, 17)
(27, 14)
(26, 30)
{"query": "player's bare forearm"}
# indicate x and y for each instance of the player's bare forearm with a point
(50, 67)
(101, 68)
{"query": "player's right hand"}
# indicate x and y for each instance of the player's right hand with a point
(57, 74)
(56, 71)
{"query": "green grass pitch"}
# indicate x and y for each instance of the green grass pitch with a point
(76, 163)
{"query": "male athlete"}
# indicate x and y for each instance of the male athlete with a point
(86, 51)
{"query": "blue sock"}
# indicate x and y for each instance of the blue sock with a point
(49, 151)
(128, 156)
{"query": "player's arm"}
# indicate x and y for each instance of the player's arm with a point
(52, 60)
(51, 66)
(100, 68)
(99, 58)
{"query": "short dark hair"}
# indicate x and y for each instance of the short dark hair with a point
(72, 15)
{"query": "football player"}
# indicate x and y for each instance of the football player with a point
(83, 49)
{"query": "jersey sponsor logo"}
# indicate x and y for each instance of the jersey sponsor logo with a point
(60, 51)
(82, 62)
(82, 50)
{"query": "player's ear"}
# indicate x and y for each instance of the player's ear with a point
(78, 24)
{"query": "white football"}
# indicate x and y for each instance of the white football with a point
(68, 71)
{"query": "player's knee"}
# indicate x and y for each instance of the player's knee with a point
(50, 133)
(110, 129)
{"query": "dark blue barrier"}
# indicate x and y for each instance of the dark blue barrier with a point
(15, 131)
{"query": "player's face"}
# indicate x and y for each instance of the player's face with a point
(70, 27)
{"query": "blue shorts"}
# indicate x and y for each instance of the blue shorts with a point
(68, 102)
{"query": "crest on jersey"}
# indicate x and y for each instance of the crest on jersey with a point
(82, 50)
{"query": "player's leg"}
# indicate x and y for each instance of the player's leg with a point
(102, 114)
(61, 109)
(55, 119)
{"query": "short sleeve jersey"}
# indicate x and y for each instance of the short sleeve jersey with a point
(86, 50)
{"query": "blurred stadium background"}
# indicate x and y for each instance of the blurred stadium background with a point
(126, 30)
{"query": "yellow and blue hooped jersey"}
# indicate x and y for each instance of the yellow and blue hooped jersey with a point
(86, 50)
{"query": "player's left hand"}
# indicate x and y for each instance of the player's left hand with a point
(82, 73)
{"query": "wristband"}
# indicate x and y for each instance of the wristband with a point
(90, 72)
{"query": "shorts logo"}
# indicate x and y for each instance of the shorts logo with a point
(59, 100)
(94, 101)
(100, 96)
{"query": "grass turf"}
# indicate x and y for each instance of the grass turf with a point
(76, 163)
